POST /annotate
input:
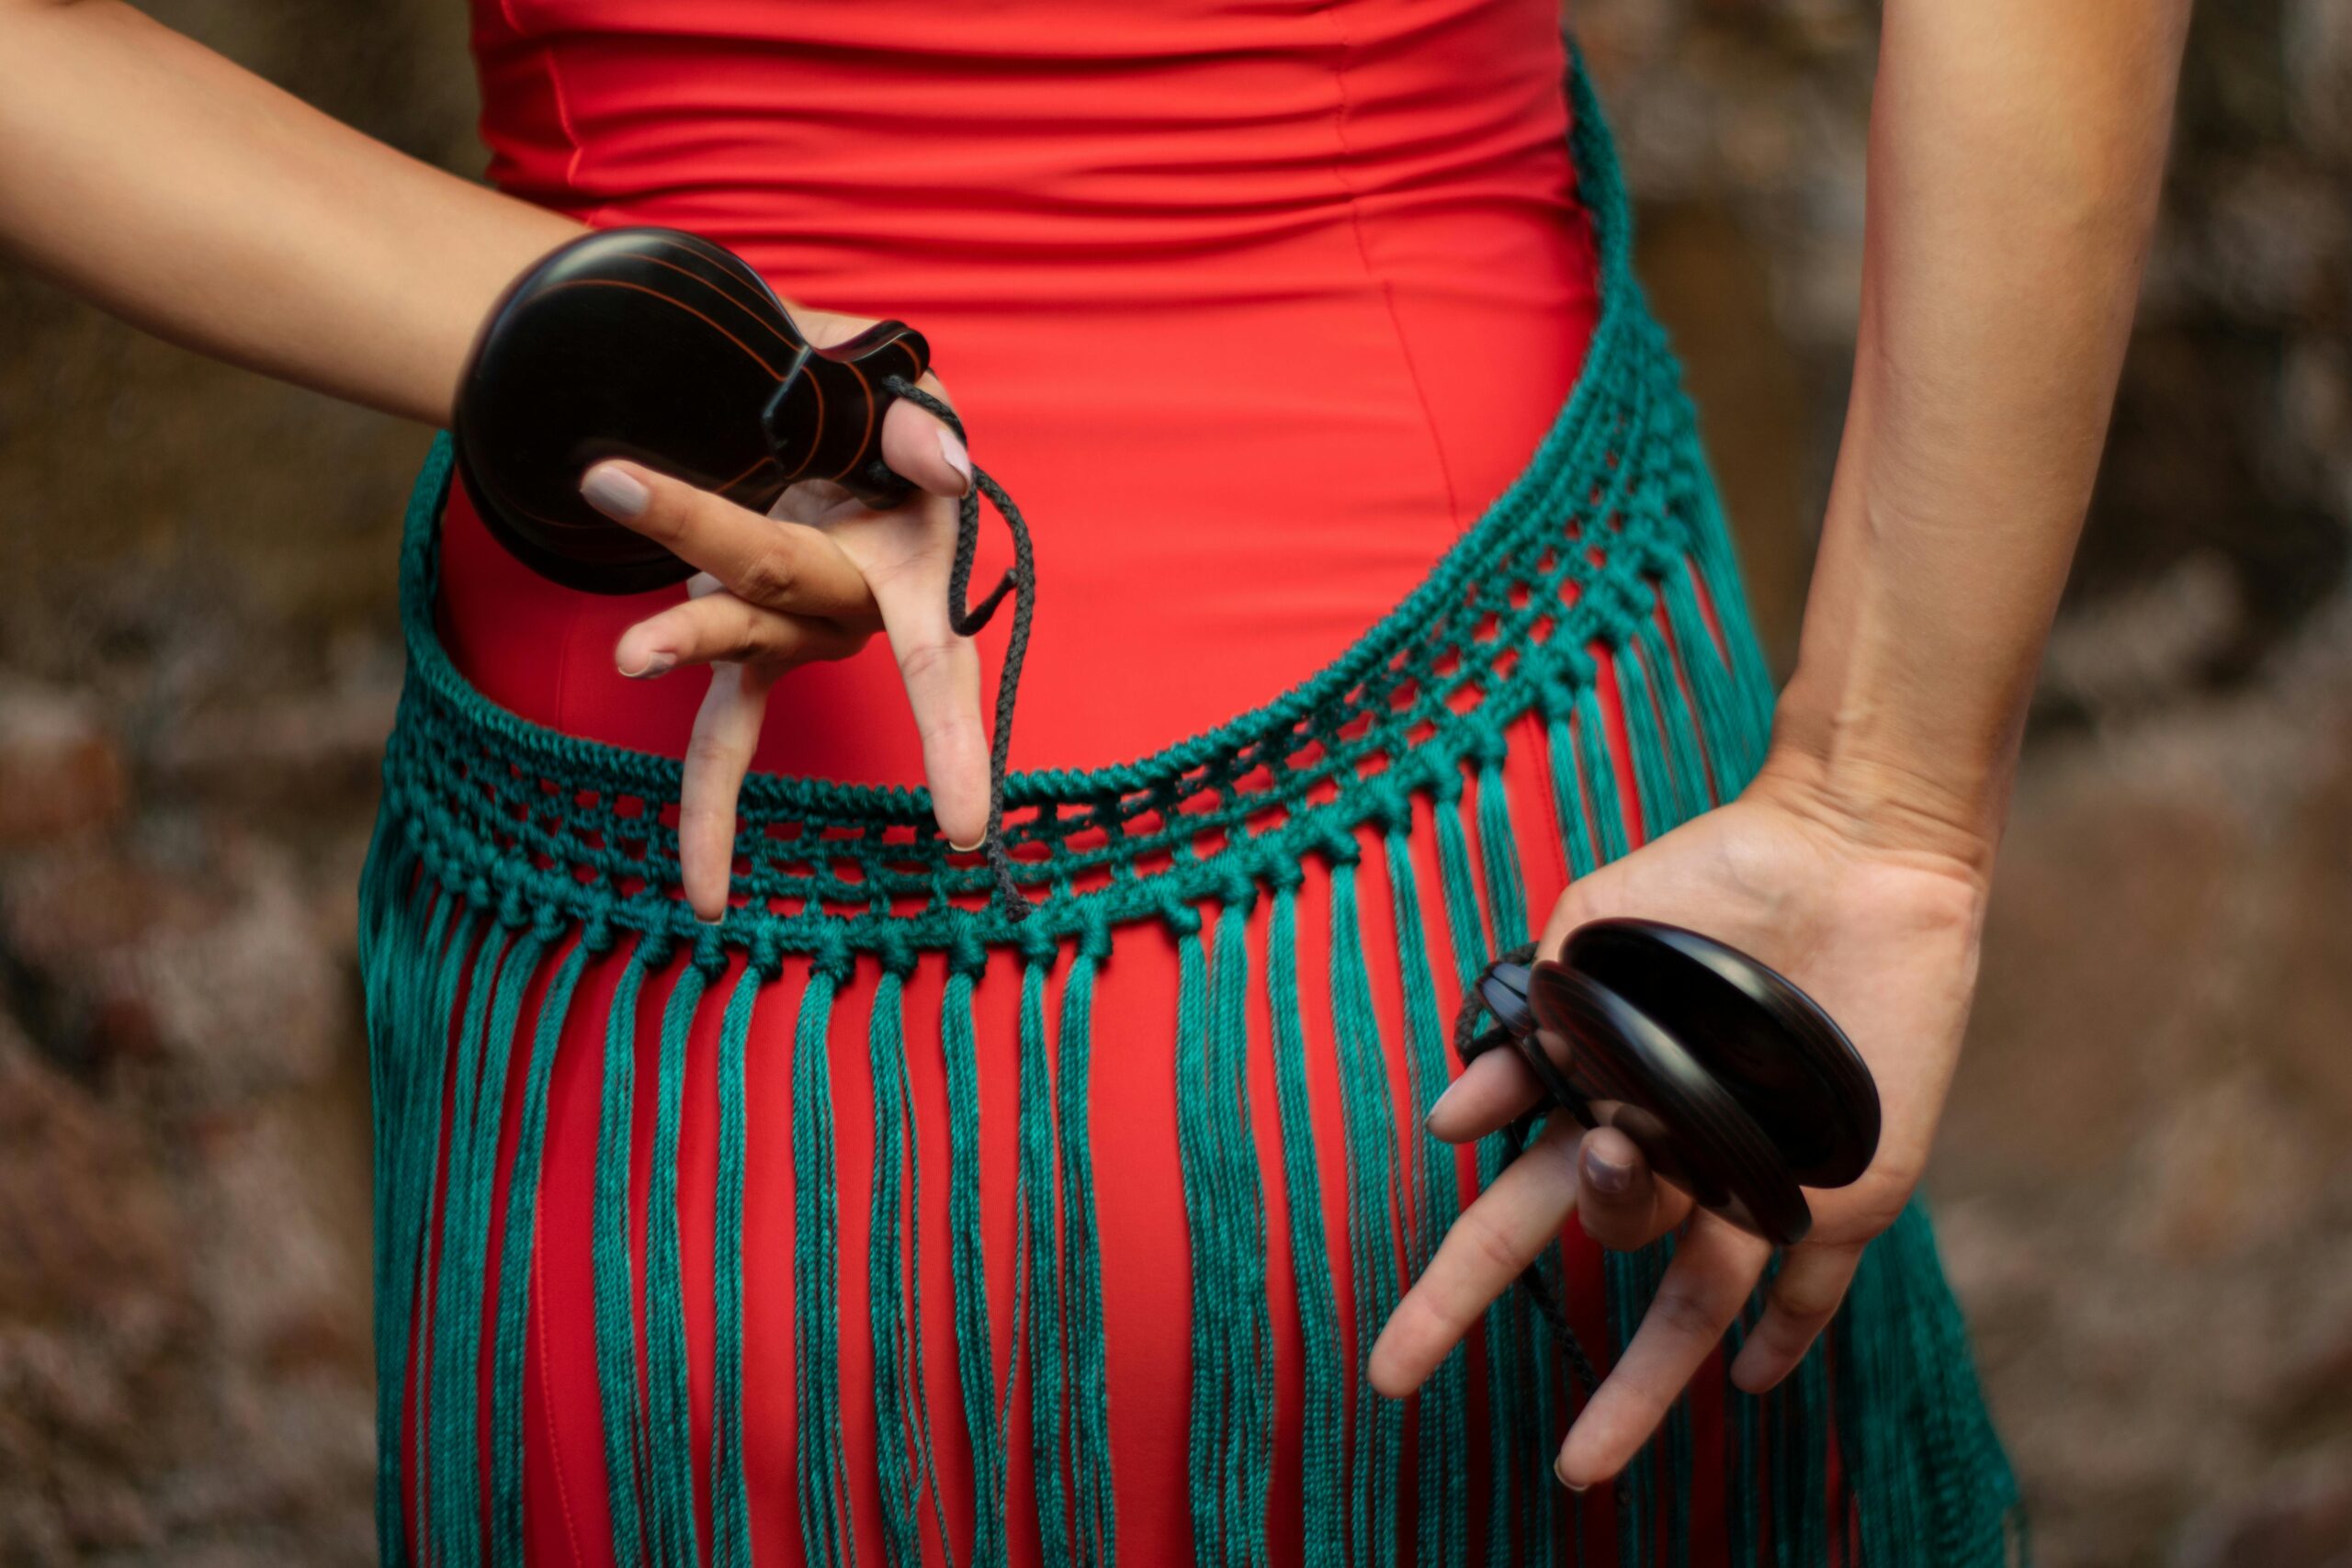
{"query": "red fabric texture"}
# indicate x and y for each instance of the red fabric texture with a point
(1253, 306)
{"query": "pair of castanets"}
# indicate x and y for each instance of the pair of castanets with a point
(659, 346)
(1735, 1085)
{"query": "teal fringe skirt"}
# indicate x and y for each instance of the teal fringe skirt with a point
(690, 1171)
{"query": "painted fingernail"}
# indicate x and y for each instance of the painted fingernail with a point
(1604, 1177)
(655, 665)
(958, 458)
(616, 493)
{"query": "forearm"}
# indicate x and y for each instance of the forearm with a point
(205, 205)
(2017, 148)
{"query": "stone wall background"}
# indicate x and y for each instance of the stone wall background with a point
(2145, 1195)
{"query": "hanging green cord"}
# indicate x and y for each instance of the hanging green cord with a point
(616, 1319)
(515, 1253)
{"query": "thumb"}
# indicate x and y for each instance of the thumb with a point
(919, 445)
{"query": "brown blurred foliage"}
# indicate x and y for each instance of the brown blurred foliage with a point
(2145, 1197)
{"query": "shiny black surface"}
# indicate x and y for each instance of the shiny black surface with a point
(1734, 1084)
(659, 346)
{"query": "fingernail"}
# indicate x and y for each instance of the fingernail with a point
(714, 920)
(1560, 1473)
(958, 458)
(1438, 1105)
(967, 849)
(1604, 1177)
(657, 665)
(616, 493)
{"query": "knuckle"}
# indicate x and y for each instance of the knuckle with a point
(705, 751)
(1684, 1312)
(771, 577)
(1488, 1242)
(669, 512)
(926, 660)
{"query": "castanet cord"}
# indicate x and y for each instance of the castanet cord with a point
(966, 619)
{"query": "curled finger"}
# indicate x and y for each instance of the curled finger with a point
(1713, 1270)
(721, 626)
(1493, 1090)
(919, 445)
(1803, 1298)
(765, 560)
(1621, 1203)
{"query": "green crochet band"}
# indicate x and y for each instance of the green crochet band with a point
(510, 859)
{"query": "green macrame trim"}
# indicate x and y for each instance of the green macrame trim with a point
(509, 860)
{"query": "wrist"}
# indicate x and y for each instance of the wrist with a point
(1882, 798)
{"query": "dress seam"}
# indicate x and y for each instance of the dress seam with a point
(1372, 272)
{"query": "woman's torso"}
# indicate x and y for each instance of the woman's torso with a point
(1253, 306)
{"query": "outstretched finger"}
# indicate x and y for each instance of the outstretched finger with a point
(941, 672)
(1803, 1297)
(1493, 1241)
(1713, 1270)
(725, 732)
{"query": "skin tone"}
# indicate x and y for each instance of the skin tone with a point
(2016, 147)
(2016, 151)
(197, 200)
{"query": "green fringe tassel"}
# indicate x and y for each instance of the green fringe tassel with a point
(1507, 913)
(1324, 1498)
(669, 1475)
(514, 1265)
(616, 1372)
(1506, 1324)
(1232, 1406)
(1040, 1227)
(1442, 1514)
(503, 971)
(1597, 765)
(975, 1354)
(1683, 748)
(730, 1494)
(1368, 1102)
(1908, 1407)
(1654, 780)
(1094, 1515)
(473, 937)
(904, 1461)
(827, 1532)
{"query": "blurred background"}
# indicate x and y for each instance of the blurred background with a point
(2145, 1195)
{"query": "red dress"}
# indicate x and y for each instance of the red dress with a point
(1254, 305)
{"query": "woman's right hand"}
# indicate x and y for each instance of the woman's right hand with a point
(812, 580)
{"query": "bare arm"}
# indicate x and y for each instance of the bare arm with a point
(2016, 151)
(192, 197)
(2016, 147)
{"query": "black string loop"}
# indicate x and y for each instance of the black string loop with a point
(966, 619)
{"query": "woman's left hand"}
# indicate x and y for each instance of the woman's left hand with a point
(1884, 933)
(814, 580)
